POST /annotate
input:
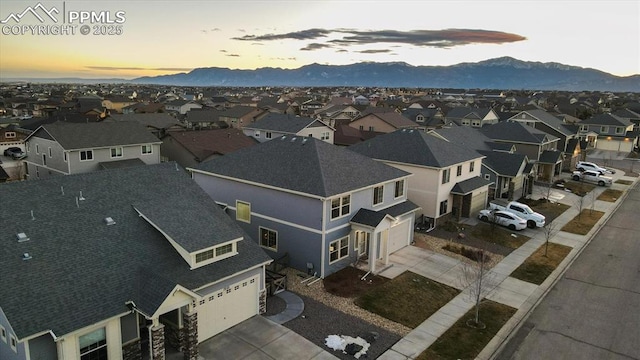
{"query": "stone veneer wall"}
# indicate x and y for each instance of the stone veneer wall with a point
(262, 301)
(132, 350)
(157, 343)
(190, 336)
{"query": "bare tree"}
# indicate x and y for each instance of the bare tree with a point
(580, 203)
(592, 200)
(478, 281)
(549, 231)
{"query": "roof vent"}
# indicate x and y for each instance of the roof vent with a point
(304, 140)
(22, 237)
(109, 221)
(283, 137)
(81, 198)
(26, 256)
(293, 139)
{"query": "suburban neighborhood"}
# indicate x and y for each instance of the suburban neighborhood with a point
(165, 222)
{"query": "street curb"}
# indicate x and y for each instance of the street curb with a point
(511, 327)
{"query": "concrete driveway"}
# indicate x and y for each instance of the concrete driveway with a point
(260, 338)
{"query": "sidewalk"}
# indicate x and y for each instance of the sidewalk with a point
(506, 290)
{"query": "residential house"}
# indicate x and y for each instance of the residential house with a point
(538, 146)
(189, 148)
(128, 264)
(69, 148)
(240, 116)
(10, 169)
(204, 118)
(446, 178)
(501, 166)
(322, 205)
(274, 125)
(630, 115)
(475, 117)
(117, 103)
(550, 124)
(383, 122)
(143, 108)
(157, 123)
(181, 106)
(426, 118)
(609, 132)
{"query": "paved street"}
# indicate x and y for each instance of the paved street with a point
(593, 311)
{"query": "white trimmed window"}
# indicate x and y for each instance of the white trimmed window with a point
(37, 149)
(604, 129)
(224, 249)
(338, 249)
(3, 334)
(13, 342)
(446, 175)
(324, 136)
(487, 176)
(340, 206)
(10, 135)
(93, 345)
(243, 211)
(86, 155)
(399, 188)
(204, 255)
(257, 133)
(619, 130)
(444, 205)
(472, 166)
(378, 194)
(147, 149)
(584, 127)
(267, 135)
(50, 153)
(116, 152)
(268, 238)
(64, 154)
(459, 170)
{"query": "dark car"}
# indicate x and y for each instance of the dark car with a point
(14, 153)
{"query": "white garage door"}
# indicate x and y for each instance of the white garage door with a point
(399, 236)
(605, 144)
(225, 308)
(478, 202)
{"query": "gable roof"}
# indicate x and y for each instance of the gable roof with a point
(546, 118)
(466, 136)
(390, 117)
(78, 256)
(72, 136)
(154, 120)
(606, 119)
(204, 143)
(468, 186)
(415, 147)
(283, 123)
(516, 132)
(503, 163)
(304, 165)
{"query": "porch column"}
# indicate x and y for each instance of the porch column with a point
(156, 334)
(373, 254)
(190, 338)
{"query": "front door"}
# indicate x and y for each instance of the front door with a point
(362, 243)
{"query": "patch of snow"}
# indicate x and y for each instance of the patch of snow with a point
(340, 342)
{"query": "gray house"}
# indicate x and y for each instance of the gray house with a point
(322, 205)
(121, 264)
(274, 125)
(70, 148)
(609, 132)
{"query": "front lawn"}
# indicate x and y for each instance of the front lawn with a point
(498, 235)
(464, 342)
(409, 299)
(550, 210)
(348, 282)
(582, 223)
(610, 195)
(538, 267)
(623, 182)
(578, 187)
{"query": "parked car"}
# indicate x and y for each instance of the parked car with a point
(533, 218)
(586, 165)
(592, 177)
(14, 153)
(504, 218)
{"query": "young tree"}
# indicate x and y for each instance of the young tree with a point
(580, 203)
(478, 281)
(549, 231)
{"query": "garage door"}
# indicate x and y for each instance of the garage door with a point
(227, 307)
(399, 236)
(605, 144)
(478, 202)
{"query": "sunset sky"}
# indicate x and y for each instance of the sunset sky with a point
(165, 37)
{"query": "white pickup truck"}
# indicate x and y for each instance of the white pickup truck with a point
(533, 218)
(592, 176)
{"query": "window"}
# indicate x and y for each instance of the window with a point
(93, 346)
(243, 211)
(465, 122)
(361, 127)
(37, 149)
(147, 149)
(443, 207)
(487, 176)
(371, 128)
(399, 188)
(378, 194)
(338, 249)
(604, 129)
(10, 134)
(50, 152)
(267, 135)
(459, 170)
(44, 160)
(204, 255)
(446, 176)
(14, 343)
(340, 206)
(86, 155)
(475, 123)
(116, 152)
(584, 127)
(257, 133)
(224, 249)
(325, 135)
(268, 239)
(64, 154)
(472, 166)
(3, 333)
(619, 130)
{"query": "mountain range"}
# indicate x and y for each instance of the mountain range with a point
(498, 73)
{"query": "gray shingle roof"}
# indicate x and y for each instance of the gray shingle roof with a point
(284, 123)
(415, 147)
(373, 218)
(548, 119)
(90, 269)
(550, 157)
(467, 136)
(155, 120)
(467, 186)
(503, 163)
(303, 164)
(516, 132)
(73, 136)
(606, 119)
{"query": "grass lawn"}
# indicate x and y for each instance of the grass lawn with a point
(538, 266)
(623, 182)
(550, 210)
(464, 342)
(610, 195)
(582, 223)
(409, 299)
(578, 187)
(347, 283)
(498, 235)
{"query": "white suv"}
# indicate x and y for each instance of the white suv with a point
(585, 165)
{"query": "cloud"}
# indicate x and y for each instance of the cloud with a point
(315, 46)
(421, 38)
(341, 50)
(233, 55)
(223, 51)
(378, 51)
(117, 68)
(284, 59)
(309, 34)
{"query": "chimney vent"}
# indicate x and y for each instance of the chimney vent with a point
(22, 237)
(26, 256)
(109, 221)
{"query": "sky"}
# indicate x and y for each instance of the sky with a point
(129, 39)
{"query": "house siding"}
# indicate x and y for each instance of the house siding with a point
(371, 120)
(6, 352)
(70, 347)
(43, 348)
